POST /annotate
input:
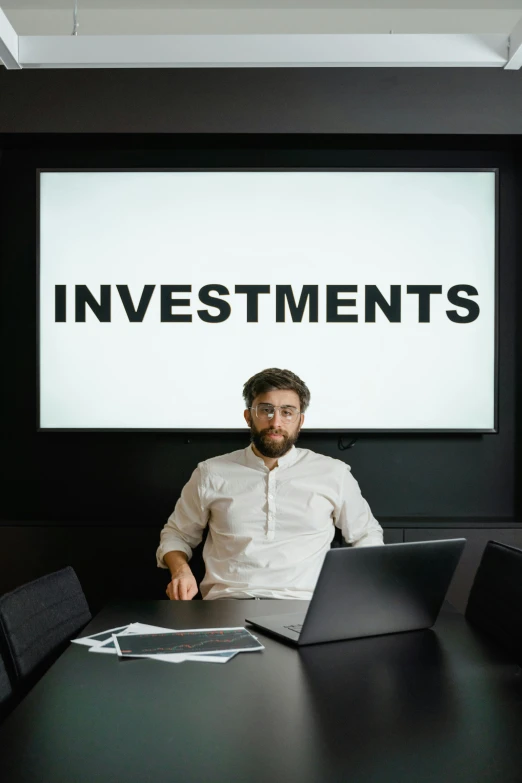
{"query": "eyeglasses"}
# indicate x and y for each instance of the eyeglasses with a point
(266, 412)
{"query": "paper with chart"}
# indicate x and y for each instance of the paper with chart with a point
(197, 641)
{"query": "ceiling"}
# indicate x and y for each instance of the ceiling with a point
(274, 4)
(239, 33)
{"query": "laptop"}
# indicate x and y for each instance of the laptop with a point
(369, 591)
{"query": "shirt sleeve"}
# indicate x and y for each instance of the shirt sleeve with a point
(355, 519)
(184, 528)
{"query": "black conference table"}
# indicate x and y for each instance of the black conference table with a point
(440, 705)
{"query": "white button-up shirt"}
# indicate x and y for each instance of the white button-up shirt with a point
(268, 530)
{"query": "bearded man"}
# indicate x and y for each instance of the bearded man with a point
(270, 508)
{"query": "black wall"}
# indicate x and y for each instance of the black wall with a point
(66, 493)
(474, 101)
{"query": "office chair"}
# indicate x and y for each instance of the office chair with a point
(495, 599)
(6, 690)
(338, 540)
(39, 618)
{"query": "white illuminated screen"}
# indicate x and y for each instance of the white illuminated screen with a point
(270, 228)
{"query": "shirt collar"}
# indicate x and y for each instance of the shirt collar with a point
(285, 461)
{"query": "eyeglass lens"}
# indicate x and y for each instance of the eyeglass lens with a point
(287, 412)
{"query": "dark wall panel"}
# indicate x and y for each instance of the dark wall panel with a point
(393, 536)
(262, 100)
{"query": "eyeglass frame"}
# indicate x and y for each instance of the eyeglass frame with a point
(275, 407)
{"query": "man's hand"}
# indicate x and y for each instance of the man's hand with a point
(183, 586)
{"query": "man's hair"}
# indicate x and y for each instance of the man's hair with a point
(271, 379)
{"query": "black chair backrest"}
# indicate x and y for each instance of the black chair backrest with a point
(495, 599)
(7, 699)
(5, 684)
(38, 618)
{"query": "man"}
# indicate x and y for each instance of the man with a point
(270, 508)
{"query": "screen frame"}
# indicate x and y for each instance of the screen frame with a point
(336, 431)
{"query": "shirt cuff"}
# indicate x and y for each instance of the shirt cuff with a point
(172, 545)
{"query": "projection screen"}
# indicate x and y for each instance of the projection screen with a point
(162, 292)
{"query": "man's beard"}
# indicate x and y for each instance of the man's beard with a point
(272, 448)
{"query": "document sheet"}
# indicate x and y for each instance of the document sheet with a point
(193, 641)
(176, 651)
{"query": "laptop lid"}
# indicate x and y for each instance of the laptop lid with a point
(366, 591)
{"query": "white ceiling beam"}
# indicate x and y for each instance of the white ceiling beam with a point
(515, 48)
(285, 50)
(227, 21)
(8, 43)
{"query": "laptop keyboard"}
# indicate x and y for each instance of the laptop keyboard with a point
(297, 628)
